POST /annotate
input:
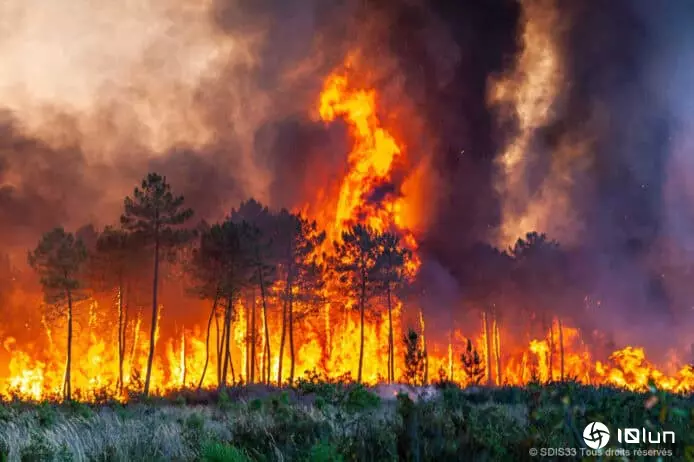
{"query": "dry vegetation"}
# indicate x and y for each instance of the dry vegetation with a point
(318, 421)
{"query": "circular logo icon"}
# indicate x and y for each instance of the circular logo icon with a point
(596, 435)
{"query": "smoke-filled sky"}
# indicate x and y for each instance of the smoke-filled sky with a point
(220, 96)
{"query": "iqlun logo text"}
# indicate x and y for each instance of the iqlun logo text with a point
(596, 435)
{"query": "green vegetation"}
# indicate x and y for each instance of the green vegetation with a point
(317, 421)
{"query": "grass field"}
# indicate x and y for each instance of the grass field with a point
(337, 422)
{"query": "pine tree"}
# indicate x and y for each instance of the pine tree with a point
(354, 263)
(115, 260)
(59, 259)
(415, 358)
(298, 241)
(472, 364)
(155, 215)
(390, 273)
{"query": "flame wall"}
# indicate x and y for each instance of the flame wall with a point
(512, 116)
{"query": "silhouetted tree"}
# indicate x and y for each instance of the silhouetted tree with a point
(486, 280)
(116, 258)
(154, 215)
(472, 364)
(390, 273)
(415, 358)
(205, 267)
(59, 259)
(542, 279)
(297, 243)
(259, 236)
(220, 269)
(354, 263)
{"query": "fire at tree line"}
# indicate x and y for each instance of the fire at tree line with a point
(284, 262)
(252, 249)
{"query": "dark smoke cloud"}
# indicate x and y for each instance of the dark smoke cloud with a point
(39, 185)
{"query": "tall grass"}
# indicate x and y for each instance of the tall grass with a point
(332, 422)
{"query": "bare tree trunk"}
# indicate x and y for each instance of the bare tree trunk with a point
(391, 347)
(561, 349)
(207, 341)
(252, 355)
(227, 338)
(282, 339)
(155, 313)
(247, 339)
(267, 328)
(121, 337)
(551, 351)
(126, 302)
(497, 349)
(67, 390)
(487, 347)
(292, 358)
(362, 302)
(425, 379)
(220, 348)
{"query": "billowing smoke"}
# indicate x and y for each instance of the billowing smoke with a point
(570, 119)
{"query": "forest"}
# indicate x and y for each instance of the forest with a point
(283, 265)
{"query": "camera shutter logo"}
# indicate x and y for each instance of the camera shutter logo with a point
(596, 435)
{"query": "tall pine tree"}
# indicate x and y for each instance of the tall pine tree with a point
(155, 215)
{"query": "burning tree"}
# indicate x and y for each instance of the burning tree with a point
(258, 238)
(206, 269)
(540, 268)
(154, 214)
(221, 269)
(391, 273)
(472, 364)
(298, 242)
(354, 263)
(115, 261)
(415, 358)
(59, 259)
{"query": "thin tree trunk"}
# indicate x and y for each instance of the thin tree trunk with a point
(362, 302)
(561, 349)
(121, 340)
(551, 351)
(267, 328)
(227, 337)
(220, 348)
(282, 339)
(155, 313)
(497, 349)
(68, 362)
(252, 355)
(391, 356)
(207, 340)
(292, 358)
(488, 348)
(126, 302)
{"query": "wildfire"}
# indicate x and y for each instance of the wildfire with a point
(328, 343)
